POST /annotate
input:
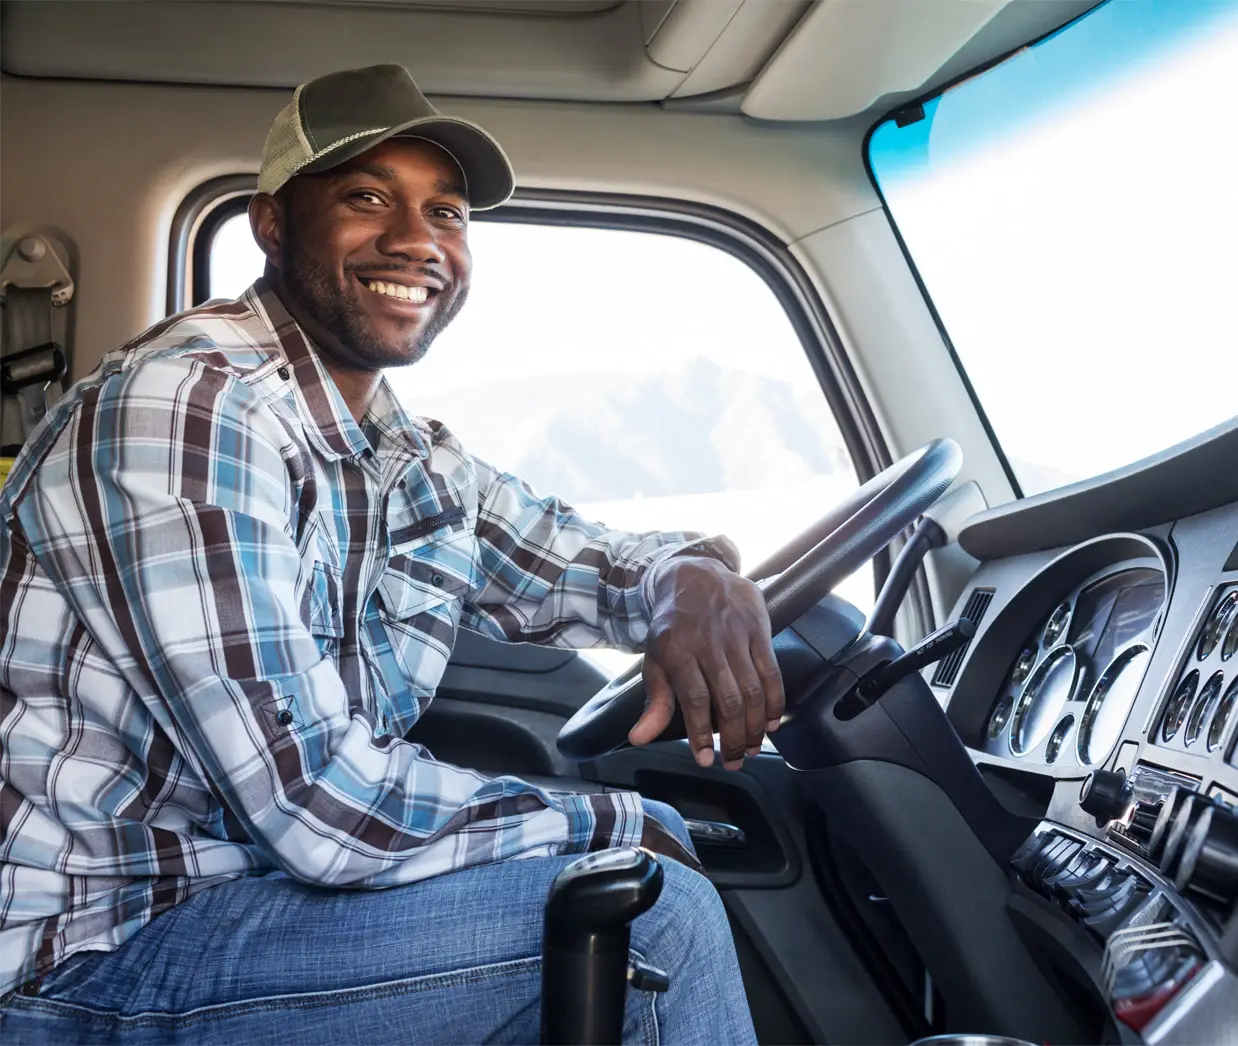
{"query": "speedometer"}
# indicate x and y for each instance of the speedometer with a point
(1110, 703)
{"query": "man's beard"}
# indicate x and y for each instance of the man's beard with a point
(312, 284)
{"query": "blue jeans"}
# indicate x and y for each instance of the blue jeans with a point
(455, 959)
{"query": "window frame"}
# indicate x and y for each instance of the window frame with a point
(206, 209)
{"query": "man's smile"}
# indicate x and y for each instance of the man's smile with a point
(406, 293)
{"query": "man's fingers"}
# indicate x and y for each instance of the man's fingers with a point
(752, 690)
(693, 694)
(659, 705)
(766, 665)
(729, 712)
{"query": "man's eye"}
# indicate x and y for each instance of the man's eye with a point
(367, 196)
(448, 212)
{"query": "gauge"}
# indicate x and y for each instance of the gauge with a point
(1175, 713)
(1216, 732)
(1056, 626)
(1000, 717)
(1219, 622)
(1056, 739)
(1230, 647)
(1042, 699)
(1023, 667)
(1110, 703)
(1202, 709)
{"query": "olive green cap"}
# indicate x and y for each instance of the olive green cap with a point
(341, 115)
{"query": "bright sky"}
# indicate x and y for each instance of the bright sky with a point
(1084, 265)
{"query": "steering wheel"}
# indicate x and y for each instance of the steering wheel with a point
(793, 580)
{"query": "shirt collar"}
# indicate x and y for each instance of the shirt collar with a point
(328, 420)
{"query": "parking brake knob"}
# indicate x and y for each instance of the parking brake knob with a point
(585, 945)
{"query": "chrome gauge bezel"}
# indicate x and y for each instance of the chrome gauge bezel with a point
(999, 718)
(1179, 705)
(1023, 667)
(1056, 743)
(1099, 693)
(1056, 626)
(1217, 628)
(1031, 691)
(1218, 728)
(1202, 707)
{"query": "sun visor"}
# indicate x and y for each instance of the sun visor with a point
(846, 54)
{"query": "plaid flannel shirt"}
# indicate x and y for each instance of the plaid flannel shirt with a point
(223, 604)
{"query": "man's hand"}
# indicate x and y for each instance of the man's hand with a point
(710, 646)
(658, 839)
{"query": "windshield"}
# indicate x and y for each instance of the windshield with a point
(1073, 216)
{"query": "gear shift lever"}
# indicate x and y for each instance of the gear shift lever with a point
(585, 945)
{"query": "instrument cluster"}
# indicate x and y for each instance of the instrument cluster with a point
(1201, 706)
(1067, 696)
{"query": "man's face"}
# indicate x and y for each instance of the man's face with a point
(375, 250)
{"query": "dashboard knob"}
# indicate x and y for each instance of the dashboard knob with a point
(1104, 795)
(1209, 863)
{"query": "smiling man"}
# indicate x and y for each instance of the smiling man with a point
(232, 570)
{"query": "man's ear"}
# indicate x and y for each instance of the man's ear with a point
(267, 214)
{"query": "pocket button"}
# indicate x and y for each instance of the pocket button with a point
(436, 579)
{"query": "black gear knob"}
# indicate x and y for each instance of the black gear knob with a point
(585, 943)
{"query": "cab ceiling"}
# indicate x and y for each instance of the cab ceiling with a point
(786, 60)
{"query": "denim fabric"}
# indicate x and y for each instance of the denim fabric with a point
(454, 959)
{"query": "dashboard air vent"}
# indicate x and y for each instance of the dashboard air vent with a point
(976, 607)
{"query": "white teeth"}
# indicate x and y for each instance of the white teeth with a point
(417, 295)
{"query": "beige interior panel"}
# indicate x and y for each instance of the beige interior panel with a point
(558, 8)
(689, 30)
(281, 44)
(745, 45)
(652, 14)
(845, 54)
(115, 160)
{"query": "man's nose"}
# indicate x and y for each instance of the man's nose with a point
(409, 235)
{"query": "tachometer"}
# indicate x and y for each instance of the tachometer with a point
(1042, 700)
(1110, 703)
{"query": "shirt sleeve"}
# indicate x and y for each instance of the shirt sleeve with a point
(166, 513)
(550, 576)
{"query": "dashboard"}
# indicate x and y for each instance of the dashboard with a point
(1099, 697)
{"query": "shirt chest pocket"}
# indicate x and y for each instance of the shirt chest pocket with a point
(434, 571)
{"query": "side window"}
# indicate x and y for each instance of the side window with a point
(651, 381)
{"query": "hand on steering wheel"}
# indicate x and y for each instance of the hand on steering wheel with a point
(710, 645)
(799, 575)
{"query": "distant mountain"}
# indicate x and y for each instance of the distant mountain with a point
(612, 437)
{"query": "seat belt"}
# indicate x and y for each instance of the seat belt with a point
(35, 290)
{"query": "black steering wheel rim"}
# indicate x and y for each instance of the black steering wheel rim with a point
(794, 579)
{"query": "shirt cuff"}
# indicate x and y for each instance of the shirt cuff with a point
(718, 547)
(602, 821)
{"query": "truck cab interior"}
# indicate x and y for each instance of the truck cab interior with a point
(925, 303)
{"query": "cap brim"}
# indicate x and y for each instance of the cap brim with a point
(488, 173)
